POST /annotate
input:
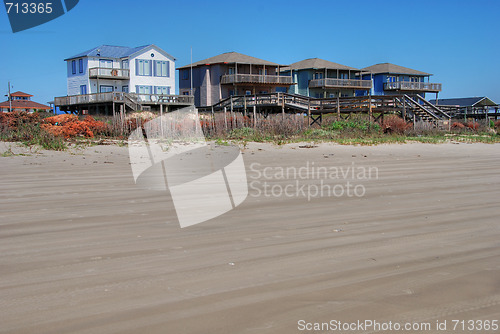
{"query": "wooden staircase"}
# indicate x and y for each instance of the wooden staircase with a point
(416, 108)
(132, 102)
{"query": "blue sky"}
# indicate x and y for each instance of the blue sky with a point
(457, 41)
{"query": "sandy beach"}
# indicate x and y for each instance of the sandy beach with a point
(84, 250)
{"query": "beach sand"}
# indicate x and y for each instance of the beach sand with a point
(84, 250)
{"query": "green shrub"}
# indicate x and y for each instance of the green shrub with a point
(242, 133)
(319, 134)
(358, 124)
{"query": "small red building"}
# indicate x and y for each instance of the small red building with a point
(21, 102)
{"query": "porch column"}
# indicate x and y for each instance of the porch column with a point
(235, 79)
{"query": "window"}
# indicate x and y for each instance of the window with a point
(80, 65)
(164, 90)
(318, 75)
(105, 89)
(262, 72)
(414, 79)
(73, 66)
(83, 89)
(185, 75)
(143, 89)
(391, 78)
(344, 76)
(125, 89)
(185, 93)
(105, 66)
(125, 65)
(231, 70)
(143, 67)
(106, 63)
(162, 68)
(248, 92)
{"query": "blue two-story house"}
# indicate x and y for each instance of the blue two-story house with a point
(389, 79)
(321, 78)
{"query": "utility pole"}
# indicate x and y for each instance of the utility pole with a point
(10, 100)
(191, 73)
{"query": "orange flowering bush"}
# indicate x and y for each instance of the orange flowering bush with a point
(97, 127)
(457, 125)
(69, 126)
(472, 125)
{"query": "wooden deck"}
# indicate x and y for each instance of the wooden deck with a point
(340, 83)
(126, 101)
(256, 79)
(413, 86)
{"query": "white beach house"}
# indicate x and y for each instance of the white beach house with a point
(106, 68)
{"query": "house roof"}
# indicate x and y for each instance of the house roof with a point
(477, 101)
(393, 69)
(317, 63)
(230, 58)
(23, 104)
(20, 94)
(111, 51)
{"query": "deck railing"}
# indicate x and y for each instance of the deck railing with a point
(119, 97)
(340, 83)
(414, 86)
(106, 72)
(256, 78)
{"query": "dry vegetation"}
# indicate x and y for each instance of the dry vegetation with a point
(54, 132)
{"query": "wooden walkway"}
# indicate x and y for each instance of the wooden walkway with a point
(412, 108)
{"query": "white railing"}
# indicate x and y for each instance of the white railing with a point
(256, 78)
(347, 83)
(408, 85)
(106, 72)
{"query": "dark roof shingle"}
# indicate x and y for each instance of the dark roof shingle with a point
(317, 63)
(230, 58)
(109, 51)
(465, 101)
(393, 69)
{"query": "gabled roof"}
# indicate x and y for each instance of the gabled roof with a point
(392, 69)
(230, 58)
(20, 94)
(317, 63)
(478, 101)
(111, 51)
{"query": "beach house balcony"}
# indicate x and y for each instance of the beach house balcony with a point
(340, 83)
(256, 79)
(412, 86)
(109, 73)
